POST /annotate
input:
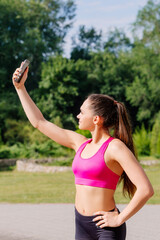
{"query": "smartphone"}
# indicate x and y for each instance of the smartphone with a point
(23, 68)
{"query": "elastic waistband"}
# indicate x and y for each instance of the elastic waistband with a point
(88, 218)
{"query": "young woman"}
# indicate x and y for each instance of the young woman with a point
(99, 164)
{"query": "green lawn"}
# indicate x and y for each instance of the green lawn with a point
(153, 173)
(20, 187)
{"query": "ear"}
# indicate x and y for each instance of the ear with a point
(97, 120)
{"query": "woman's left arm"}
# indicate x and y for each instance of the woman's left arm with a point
(118, 151)
(136, 174)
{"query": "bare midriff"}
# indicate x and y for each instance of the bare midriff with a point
(92, 199)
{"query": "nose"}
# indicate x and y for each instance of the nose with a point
(78, 116)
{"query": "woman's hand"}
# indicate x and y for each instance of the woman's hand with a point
(107, 219)
(16, 74)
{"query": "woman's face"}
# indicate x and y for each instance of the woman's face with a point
(86, 117)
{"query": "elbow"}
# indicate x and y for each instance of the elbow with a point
(149, 192)
(37, 124)
(146, 192)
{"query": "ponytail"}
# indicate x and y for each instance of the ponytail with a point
(123, 132)
(115, 117)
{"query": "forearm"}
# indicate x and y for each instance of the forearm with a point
(137, 202)
(32, 112)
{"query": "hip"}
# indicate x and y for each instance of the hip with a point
(86, 229)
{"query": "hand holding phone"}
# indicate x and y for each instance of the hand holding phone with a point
(22, 70)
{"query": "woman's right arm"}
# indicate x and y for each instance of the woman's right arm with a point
(62, 136)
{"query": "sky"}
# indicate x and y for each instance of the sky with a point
(104, 15)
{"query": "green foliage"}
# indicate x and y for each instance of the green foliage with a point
(85, 42)
(28, 29)
(142, 141)
(62, 80)
(155, 139)
(5, 152)
(23, 141)
(31, 29)
(47, 149)
(117, 41)
(147, 23)
(145, 87)
(86, 133)
(127, 71)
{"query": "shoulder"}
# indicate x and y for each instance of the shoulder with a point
(116, 145)
(118, 150)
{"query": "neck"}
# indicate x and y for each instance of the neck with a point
(99, 135)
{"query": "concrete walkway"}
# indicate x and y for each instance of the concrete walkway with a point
(56, 222)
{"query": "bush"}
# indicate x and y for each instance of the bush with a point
(35, 150)
(141, 140)
(86, 133)
(155, 138)
(4, 152)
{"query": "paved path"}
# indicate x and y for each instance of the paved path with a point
(56, 222)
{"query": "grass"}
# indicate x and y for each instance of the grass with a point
(21, 187)
(153, 173)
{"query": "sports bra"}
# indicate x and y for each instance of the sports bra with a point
(93, 171)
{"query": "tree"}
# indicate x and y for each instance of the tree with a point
(143, 92)
(59, 89)
(85, 42)
(28, 29)
(117, 41)
(147, 25)
(31, 29)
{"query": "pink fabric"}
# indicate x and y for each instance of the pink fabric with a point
(93, 171)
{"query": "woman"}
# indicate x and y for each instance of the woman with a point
(99, 164)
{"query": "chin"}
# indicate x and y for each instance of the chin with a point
(81, 127)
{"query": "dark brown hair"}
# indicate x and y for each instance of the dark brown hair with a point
(115, 117)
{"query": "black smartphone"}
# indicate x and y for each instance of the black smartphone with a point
(23, 68)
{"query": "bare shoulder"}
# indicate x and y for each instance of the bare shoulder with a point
(118, 151)
(116, 145)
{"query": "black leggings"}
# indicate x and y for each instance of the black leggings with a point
(86, 229)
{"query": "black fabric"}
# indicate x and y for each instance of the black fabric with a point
(86, 229)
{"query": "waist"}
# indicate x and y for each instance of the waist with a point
(91, 199)
(89, 217)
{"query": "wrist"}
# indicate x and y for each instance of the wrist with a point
(18, 88)
(120, 220)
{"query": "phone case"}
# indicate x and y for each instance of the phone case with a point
(23, 68)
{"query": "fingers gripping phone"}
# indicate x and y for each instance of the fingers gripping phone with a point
(23, 68)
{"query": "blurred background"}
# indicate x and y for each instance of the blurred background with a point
(77, 48)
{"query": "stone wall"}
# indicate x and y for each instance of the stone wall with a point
(27, 166)
(7, 162)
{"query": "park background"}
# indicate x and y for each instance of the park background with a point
(121, 62)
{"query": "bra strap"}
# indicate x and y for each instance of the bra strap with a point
(83, 146)
(105, 145)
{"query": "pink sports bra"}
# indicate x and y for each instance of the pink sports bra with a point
(93, 171)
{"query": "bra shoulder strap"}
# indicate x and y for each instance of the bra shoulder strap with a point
(105, 145)
(82, 146)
